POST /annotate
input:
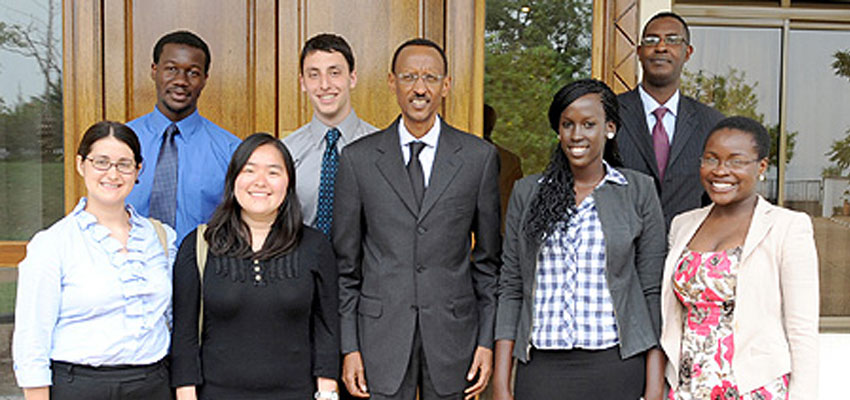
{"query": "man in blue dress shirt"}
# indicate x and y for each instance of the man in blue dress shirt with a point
(185, 155)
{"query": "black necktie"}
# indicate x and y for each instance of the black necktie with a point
(415, 172)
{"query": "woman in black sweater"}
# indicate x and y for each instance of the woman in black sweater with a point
(270, 328)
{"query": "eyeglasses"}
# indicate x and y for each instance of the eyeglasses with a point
(733, 163)
(409, 79)
(655, 40)
(103, 164)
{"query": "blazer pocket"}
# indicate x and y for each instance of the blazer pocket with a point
(463, 306)
(370, 307)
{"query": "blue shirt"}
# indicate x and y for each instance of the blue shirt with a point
(572, 303)
(203, 153)
(84, 301)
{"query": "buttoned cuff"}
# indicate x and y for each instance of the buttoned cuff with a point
(33, 376)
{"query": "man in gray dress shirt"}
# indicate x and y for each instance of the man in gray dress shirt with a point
(327, 76)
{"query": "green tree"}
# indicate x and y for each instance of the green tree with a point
(839, 151)
(532, 49)
(732, 95)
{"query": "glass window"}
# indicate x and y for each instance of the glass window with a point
(728, 71)
(31, 151)
(31, 142)
(817, 177)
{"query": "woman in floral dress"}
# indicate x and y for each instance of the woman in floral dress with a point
(740, 287)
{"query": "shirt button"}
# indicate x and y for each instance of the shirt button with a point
(257, 269)
(256, 262)
(257, 278)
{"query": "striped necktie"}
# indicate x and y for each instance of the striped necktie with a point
(163, 203)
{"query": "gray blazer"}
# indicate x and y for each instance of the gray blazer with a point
(681, 190)
(635, 247)
(401, 267)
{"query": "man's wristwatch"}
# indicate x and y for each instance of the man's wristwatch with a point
(326, 395)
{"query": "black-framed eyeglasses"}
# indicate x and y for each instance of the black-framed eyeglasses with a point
(732, 163)
(670, 40)
(104, 164)
(409, 79)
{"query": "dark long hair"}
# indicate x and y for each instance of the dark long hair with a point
(555, 200)
(229, 236)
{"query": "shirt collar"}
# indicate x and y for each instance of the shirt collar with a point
(187, 126)
(649, 103)
(613, 176)
(347, 128)
(86, 219)
(430, 139)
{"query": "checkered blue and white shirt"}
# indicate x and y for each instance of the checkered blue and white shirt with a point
(572, 304)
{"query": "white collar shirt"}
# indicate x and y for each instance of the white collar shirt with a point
(426, 157)
(669, 120)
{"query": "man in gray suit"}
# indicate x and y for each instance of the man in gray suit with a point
(417, 299)
(663, 131)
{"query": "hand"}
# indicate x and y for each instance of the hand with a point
(502, 365)
(37, 393)
(654, 387)
(186, 393)
(482, 365)
(353, 375)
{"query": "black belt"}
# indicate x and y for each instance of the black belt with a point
(106, 371)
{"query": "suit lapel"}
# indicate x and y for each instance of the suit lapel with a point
(391, 165)
(633, 111)
(447, 163)
(684, 129)
(759, 226)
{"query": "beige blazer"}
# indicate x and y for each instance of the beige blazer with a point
(776, 311)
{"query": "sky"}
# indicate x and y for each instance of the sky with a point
(20, 75)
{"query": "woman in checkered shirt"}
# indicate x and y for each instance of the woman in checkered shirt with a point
(582, 260)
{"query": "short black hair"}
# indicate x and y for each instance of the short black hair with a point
(182, 37)
(421, 42)
(749, 126)
(327, 42)
(105, 129)
(669, 14)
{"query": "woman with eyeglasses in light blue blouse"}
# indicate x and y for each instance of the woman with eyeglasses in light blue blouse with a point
(94, 291)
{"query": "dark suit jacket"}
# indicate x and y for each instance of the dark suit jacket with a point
(681, 190)
(401, 267)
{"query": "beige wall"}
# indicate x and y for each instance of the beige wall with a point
(648, 8)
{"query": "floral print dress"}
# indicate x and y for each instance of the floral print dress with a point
(705, 285)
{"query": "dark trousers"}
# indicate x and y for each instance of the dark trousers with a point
(416, 376)
(580, 374)
(81, 382)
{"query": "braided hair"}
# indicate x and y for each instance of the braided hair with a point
(555, 200)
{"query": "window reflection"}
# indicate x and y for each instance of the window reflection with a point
(31, 142)
(728, 71)
(817, 108)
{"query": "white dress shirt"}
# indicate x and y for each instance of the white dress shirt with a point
(426, 157)
(669, 120)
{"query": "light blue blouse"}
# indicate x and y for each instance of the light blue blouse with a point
(81, 300)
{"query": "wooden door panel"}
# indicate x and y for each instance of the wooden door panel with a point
(224, 26)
